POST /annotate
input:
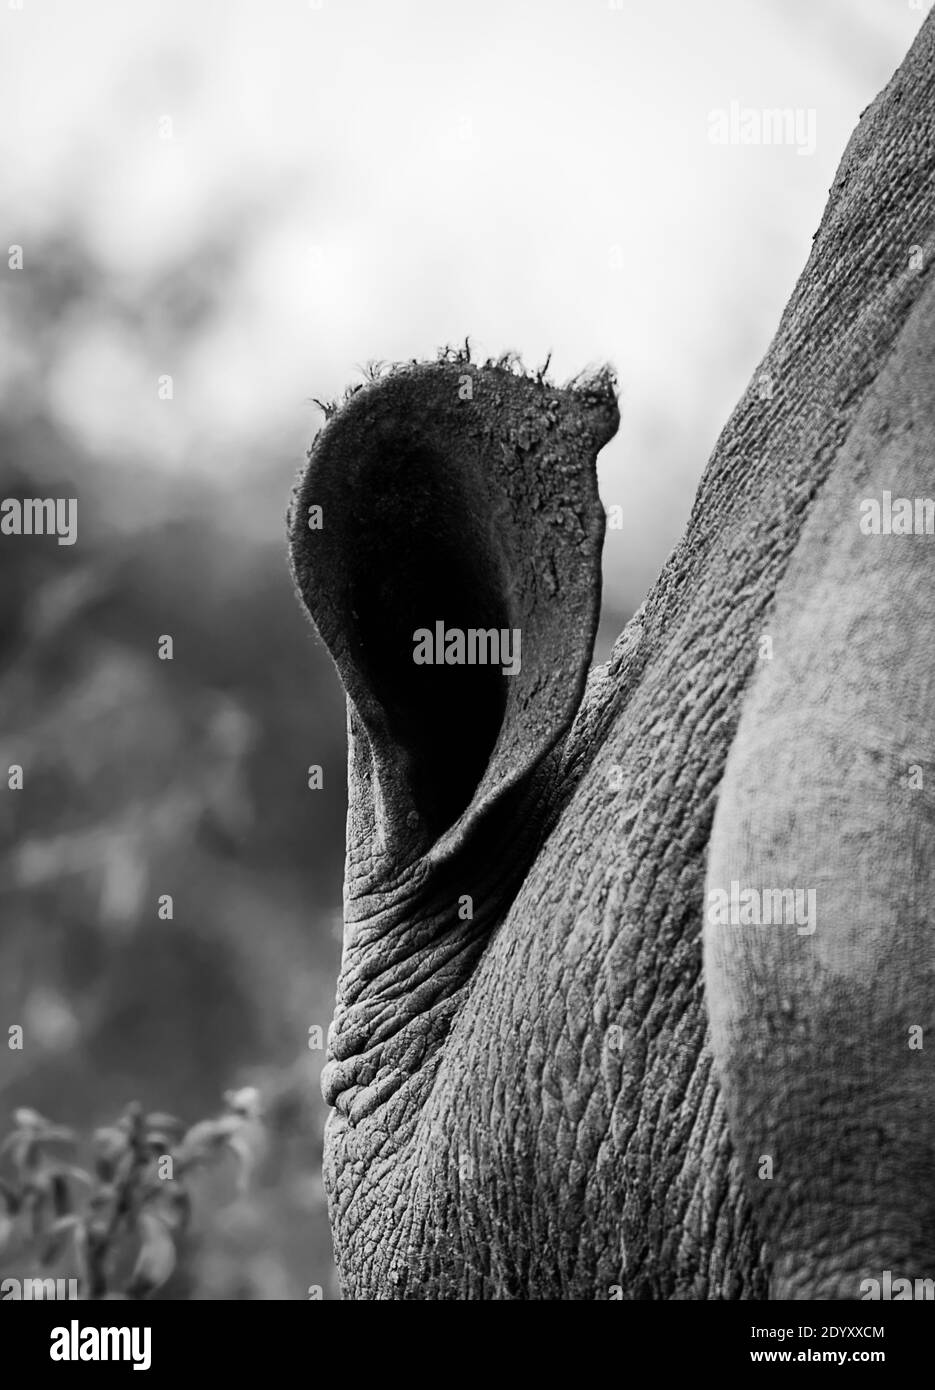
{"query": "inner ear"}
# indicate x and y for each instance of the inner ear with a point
(454, 499)
(420, 555)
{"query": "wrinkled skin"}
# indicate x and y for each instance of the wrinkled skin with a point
(553, 1091)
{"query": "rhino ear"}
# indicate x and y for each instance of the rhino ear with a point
(462, 496)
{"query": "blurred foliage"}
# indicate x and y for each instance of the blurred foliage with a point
(145, 777)
(121, 1235)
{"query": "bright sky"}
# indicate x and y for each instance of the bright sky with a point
(535, 173)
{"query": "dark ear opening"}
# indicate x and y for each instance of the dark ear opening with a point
(455, 500)
(423, 557)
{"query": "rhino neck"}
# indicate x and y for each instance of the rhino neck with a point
(413, 936)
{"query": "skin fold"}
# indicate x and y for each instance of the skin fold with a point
(549, 1078)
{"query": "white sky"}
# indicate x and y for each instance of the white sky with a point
(534, 173)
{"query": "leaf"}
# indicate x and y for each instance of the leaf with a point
(205, 1138)
(181, 1208)
(78, 1174)
(57, 1237)
(158, 1143)
(110, 1140)
(56, 1134)
(245, 1102)
(110, 1145)
(34, 1128)
(247, 1146)
(29, 1119)
(82, 1260)
(124, 1167)
(32, 1210)
(173, 1205)
(7, 1227)
(25, 1154)
(169, 1123)
(156, 1259)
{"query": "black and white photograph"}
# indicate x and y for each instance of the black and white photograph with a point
(467, 674)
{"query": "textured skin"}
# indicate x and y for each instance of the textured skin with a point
(830, 785)
(526, 1103)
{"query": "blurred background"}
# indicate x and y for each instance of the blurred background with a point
(224, 211)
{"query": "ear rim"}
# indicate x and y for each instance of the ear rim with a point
(532, 431)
